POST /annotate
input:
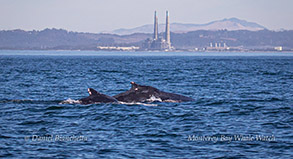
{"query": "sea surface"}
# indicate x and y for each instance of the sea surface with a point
(243, 105)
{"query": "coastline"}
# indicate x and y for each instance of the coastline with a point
(140, 53)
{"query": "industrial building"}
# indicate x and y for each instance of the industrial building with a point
(159, 43)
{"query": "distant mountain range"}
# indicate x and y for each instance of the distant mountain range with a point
(59, 39)
(225, 24)
(63, 39)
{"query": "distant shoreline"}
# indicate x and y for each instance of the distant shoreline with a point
(194, 41)
(174, 51)
(140, 53)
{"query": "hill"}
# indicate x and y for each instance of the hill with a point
(67, 40)
(225, 24)
(62, 39)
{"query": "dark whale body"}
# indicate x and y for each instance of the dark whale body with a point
(140, 93)
(96, 97)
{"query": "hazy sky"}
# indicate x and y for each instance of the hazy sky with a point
(105, 15)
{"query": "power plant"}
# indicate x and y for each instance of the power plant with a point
(155, 26)
(159, 43)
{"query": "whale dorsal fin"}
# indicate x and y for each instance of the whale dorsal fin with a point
(134, 85)
(92, 91)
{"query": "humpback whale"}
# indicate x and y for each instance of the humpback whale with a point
(140, 93)
(96, 97)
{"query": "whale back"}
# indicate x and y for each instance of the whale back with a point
(97, 97)
(137, 93)
(141, 93)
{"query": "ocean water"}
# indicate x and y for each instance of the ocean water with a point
(243, 105)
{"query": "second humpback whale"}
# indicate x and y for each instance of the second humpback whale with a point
(96, 97)
(140, 93)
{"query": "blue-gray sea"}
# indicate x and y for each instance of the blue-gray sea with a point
(243, 105)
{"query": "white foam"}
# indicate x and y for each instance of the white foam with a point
(171, 101)
(138, 103)
(154, 99)
(70, 101)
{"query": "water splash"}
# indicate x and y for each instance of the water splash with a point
(70, 101)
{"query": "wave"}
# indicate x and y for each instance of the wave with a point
(148, 102)
(29, 101)
(272, 99)
(15, 100)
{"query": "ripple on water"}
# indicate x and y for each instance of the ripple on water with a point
(233, 95)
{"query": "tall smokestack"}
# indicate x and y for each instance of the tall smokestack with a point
(155, 26)
(167, 32)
